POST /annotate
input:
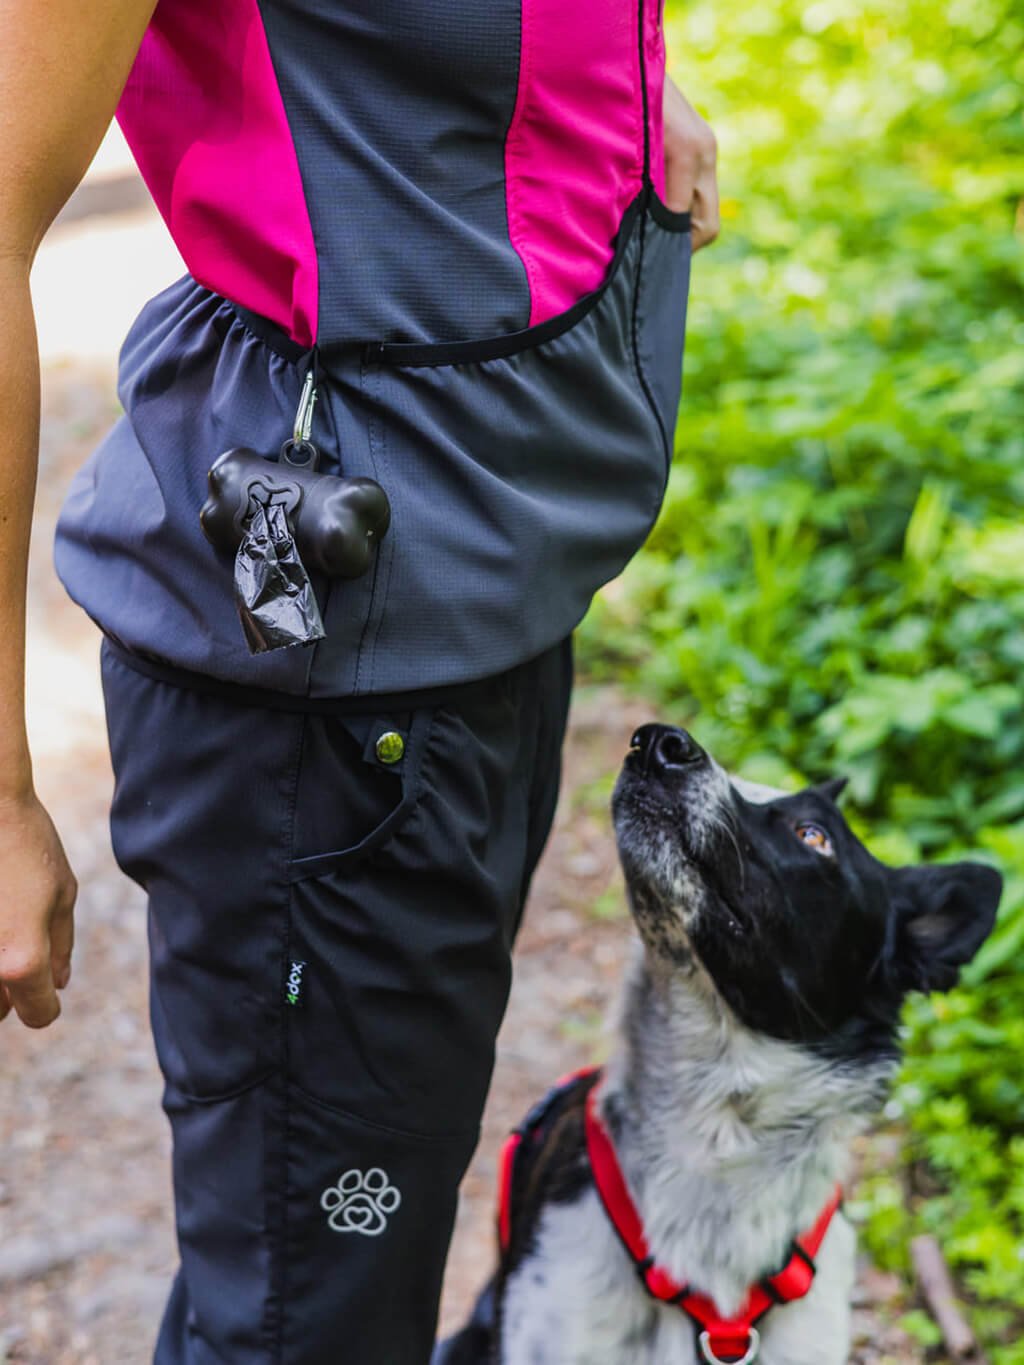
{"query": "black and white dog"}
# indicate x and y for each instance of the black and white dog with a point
(756, 1035)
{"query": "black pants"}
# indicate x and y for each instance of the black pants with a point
(330, 939)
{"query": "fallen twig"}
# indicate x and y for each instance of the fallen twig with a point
(936, 1285)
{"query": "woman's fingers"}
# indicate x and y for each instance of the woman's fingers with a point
(36, 912)
(29, 985)
(691, 172)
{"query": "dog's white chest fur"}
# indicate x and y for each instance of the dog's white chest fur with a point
(576, 1301)
(730, 1143)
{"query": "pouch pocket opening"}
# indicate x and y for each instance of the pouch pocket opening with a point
(373, 798)
(401, 353)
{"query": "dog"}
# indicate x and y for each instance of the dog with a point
(756, 1035)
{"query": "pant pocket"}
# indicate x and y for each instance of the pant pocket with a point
(359, 778)
(401, 994)
(369, 1217)
(405, 950)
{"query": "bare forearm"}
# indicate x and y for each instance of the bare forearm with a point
(36, 926)
(19, 451)
(63, 66)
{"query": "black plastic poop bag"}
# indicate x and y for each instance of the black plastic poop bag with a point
(265, 512)
(274, 596)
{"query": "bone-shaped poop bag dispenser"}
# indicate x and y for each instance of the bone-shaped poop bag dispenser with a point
(279, 516)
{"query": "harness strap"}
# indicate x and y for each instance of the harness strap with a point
(521, 1144)
(723, 1341)
(506, 1171)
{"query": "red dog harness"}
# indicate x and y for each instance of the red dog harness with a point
(722, 1341)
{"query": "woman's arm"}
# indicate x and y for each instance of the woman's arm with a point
(691, 180)
(62, 68)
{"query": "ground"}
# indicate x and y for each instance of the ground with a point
(86, 1241)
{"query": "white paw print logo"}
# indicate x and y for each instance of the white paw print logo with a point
(362, 1201)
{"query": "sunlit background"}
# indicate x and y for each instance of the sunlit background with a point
(835, 586)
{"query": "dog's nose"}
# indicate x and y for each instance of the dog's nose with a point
(664, 749)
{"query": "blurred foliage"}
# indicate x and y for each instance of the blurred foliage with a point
(836, 583)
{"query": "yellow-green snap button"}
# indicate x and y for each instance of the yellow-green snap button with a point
(390, 747)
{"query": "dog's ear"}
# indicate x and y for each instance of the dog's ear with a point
(943, 914)
(832, 788)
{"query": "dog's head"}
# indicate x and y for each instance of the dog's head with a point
(805, 935)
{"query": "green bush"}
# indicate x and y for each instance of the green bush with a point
(836, 583)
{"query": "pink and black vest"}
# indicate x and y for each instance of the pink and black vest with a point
(461, 206)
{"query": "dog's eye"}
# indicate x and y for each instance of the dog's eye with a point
(815, 837)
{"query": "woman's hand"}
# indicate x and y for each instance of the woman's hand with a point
(691, 153)
(37, 899)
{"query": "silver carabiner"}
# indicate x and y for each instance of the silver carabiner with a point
(753, 1350)
(304, 412)
(299, 451)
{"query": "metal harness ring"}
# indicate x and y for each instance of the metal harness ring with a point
(753, 1350)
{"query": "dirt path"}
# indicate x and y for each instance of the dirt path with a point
(86, 1245)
